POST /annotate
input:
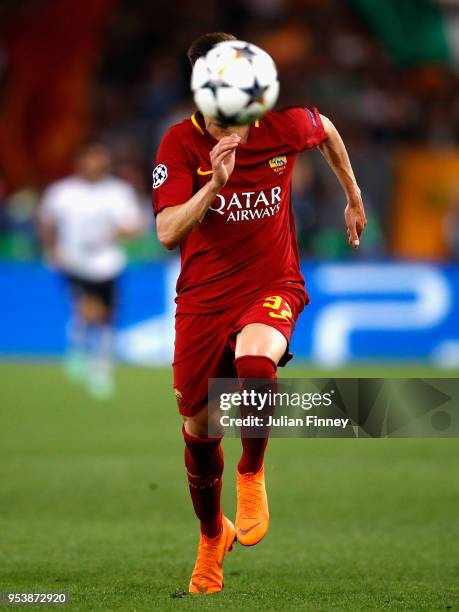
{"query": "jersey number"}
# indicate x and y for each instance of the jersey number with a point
(280, 309)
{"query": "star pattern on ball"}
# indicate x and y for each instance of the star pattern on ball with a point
(213, 85)
(256, 92)
(244, 53)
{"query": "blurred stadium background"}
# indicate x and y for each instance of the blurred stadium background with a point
(384, 72)
(92, 497)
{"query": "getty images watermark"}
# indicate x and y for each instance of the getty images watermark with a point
(259, 406)
(346, 407)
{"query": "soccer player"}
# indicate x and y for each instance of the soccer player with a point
(83, 218)
(222, 194)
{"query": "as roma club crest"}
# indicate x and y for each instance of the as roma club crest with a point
(278, 164)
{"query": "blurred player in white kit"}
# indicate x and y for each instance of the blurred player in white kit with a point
(83, 220)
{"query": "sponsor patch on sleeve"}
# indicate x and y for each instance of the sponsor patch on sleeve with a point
(159, 175)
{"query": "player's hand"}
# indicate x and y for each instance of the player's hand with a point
(355, 218)
(223, 157)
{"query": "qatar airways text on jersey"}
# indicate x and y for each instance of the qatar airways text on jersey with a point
(248, 205)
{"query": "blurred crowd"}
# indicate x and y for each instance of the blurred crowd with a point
(326, 56)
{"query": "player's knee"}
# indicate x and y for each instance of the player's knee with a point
(255, 366)
(197, 425)
(258, 339)
(196, 429)
(93, 310)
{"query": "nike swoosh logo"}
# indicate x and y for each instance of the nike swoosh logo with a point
(246, 531)
(203, 172)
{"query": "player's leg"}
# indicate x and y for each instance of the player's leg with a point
(97, 308)
(201, 353)
(259, 348)
(261, 343)
(76, 366)
(204, 465)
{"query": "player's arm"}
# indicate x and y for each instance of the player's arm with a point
(46, 225)
(334, 151)
(127, 211)
(127, 233)
(48, 237)
(174, 223)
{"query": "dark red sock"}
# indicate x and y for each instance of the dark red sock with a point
(253, 449)
(204, 465)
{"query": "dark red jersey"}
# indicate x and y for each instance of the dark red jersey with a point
(247, 240)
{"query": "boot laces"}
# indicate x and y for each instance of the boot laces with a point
(250, 497)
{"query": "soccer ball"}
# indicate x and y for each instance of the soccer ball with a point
(235, 83)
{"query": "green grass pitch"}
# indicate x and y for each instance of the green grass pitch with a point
(93, 502)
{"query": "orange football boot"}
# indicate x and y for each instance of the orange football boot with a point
(252, 514)
(207, 576)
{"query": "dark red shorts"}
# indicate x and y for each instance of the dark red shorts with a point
(205, 343)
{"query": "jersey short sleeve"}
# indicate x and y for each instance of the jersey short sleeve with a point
(173, 173)
(307, 125)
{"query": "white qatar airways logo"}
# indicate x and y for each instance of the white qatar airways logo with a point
(248, 205)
